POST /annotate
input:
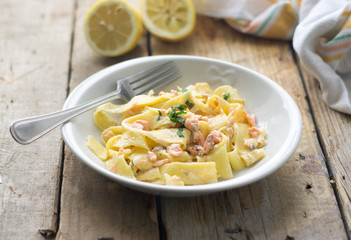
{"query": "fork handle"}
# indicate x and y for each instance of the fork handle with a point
(27, 130)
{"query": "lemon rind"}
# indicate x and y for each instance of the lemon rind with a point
(166, 35)
(135, 36)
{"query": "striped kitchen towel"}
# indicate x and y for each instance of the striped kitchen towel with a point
(320, 31)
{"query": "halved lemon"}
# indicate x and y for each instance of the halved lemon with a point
(170, 20)
(112, 27)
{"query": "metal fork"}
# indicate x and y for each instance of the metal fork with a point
(28, 130)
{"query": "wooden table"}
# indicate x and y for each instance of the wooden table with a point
(46, 192)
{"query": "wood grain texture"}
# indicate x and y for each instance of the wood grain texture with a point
(334, 131)
(297, 201)
(33, 79)
(93, 207)
(36, 68)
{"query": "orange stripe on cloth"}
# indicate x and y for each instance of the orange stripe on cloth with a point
(346, 25)
(237, 24)
(298, 3)
(282, 24)
(249, 27)
(333, 48)
(332, 58)
(346, 13)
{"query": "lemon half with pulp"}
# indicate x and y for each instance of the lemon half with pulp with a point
(112, 27)
(170, 20)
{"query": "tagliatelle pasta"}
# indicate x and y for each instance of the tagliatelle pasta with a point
(183, 137)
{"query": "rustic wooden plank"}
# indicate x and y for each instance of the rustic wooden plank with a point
(34, 55)
(92, 206)
(334, 131)
(295, 202)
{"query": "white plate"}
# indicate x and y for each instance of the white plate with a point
(274, 108)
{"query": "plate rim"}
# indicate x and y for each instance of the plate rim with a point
(193, 190)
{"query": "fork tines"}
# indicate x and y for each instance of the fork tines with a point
(154, 78)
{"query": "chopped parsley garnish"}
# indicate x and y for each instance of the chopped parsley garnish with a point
(189, 104)
(226, 96)
(176, 111)
(179, 106)
(180, 132)
(159, 115)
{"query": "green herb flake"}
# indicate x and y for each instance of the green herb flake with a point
(159, 115)
(176, 111)
(189, 104)
(179, 106)
(180, 132)
(180, 120)
(226, 96)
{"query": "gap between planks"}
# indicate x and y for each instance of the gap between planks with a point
(320, 142)
(60, 181)
(162, 230)
(161, 227)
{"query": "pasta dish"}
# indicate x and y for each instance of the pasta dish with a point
(183, 137)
